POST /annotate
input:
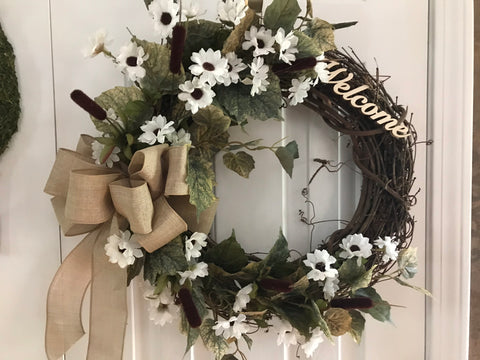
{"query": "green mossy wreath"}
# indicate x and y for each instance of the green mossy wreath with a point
(9, 95)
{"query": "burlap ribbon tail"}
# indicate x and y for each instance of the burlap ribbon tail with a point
(152, 197)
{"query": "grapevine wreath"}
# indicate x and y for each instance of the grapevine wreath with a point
(143, 190)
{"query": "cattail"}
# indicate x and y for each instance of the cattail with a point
(276, 285)
(87, 104)
(297, 65)
(353, 303)
(189, 308)
(178, 43)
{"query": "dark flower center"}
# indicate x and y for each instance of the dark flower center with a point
(208, 66)
(197, 94)
(132, 61)
(230, 67)
(166, 18)
(354, 248)
(232, 323)
(320, 266)
(260, 43)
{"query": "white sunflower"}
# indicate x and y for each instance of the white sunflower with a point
(165, 17)
(261, 39)
(196, 94)
(210, 66)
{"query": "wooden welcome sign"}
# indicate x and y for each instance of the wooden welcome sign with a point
(343, 88)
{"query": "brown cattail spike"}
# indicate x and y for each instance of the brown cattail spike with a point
(297, 65)
(178, 44)
(280, 286)
(353, 303)
(189, 308)
(87, 104)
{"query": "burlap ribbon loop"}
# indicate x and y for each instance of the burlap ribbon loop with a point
(88, 198)
(91, 194)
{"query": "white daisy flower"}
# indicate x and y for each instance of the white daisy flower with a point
(321, 69)
(242, 298)
(179, 138)
(320, 261)
(311, 345)
(97, 43)
(97, 149)
(356, 245)
(235, 66)
(197, 95)
(287, 334)
(299, 90)
(209, 66)
(231, 328)
(330, 287)
(199, 270)
(122, 250)
(131, 58)
(287, 44)
(191, 9)
(193, 245)
(165, 17)
(231, 11)
(156, 130)
(161, 307)
(407, 262)
(389, 246)
(261, 39)
(259, 71)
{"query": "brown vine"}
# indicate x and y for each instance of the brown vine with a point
(386, 162)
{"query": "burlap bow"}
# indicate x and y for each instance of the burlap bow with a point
(88, 198)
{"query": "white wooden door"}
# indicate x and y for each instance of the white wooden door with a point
(48, 36)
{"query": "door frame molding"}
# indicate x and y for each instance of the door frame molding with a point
(449, 176)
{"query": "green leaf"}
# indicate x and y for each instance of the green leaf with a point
(228, 254)
(216, 344)
(322, 323)
(306, 46)
(203, 34)
(167, 260)
(210, 131)
(281, 14)
(236, 101)
(418, 288)
(350, 272)
(357, 325)
(229, 357)
(192, 333)
(380, 310)
(279, 252)
(240, 162)
(302, 316)
(134, 270)
(136, 113)
(117, 99)
(158, 78)
(322, 33)
(364, 280)
(201, 180)
(248, 341)
(199, 300)
(286, 155)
